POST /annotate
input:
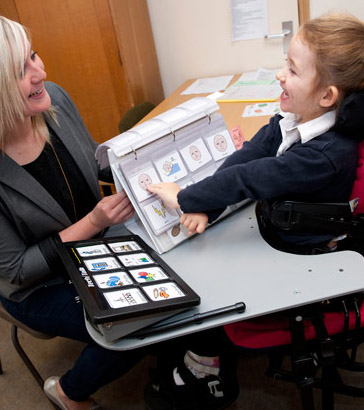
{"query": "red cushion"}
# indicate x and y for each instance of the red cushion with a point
(273, 330)
(358, 188)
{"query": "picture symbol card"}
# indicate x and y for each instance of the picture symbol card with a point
(112, 280)
(125, 246)
(160, 216)
(171, 167)
(124, 298)
(148, 274)
(221, 145)
(163, 291)
(196, 155)
(94, 250)
(101, 264)
(136, 259)
(141, 180)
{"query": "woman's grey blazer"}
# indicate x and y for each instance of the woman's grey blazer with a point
(29, 214)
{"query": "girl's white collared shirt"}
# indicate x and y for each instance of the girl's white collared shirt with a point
(292, 131)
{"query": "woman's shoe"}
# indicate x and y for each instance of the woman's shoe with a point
(50, 389)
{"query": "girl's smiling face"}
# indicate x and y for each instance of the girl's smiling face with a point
(297, 79)
(36, 98)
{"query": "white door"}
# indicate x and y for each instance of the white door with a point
(319, 7)
(193, 39)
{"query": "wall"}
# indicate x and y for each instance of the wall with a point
(193, 39)
(318, 7)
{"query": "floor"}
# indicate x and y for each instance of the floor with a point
(19, 391)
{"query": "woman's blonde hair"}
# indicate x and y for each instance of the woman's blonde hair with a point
(14, 39)
(337, 41)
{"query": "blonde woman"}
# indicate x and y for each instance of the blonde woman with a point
(49, 193)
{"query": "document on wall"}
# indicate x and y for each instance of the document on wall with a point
(208, 85)
(249, 19)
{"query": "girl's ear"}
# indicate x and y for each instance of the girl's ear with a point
(329, 96)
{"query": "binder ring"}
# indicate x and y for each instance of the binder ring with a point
(174, 135)
(135, 154)
(209, 117)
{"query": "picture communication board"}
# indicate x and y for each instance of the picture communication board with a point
(184, 145)
(124, 284)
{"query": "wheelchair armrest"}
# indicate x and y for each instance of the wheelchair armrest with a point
(330, 218)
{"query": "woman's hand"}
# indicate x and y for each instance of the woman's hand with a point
(167, 191)
(195, 222)
(111, 210)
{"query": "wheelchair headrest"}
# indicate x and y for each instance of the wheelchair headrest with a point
(350, 118)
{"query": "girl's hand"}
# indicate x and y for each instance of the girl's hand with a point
(111, 210)
(195, 222)
(167, 191)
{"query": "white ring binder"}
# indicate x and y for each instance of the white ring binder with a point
(182, 145)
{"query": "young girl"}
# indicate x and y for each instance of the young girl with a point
(306, 153)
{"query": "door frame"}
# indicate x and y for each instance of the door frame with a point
(303, 10)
